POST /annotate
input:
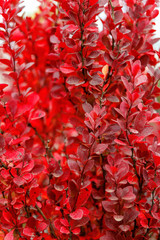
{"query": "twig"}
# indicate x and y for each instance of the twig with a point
(110, 2)
(3, 164)
(45, 218)
(48, 150)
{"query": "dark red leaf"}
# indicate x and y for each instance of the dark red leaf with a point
(73, 165)
(96, 80)
(100, 148)
(108, 236)
(75, 80)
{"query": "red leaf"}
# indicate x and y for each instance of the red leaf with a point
(140, 80)
(136, 67)
(94, 54)
(76, 231)
(64, 222)
(77, 215)
(57, 224)
(19, 51)
(106, 42)
(120, 142)
(91, 21)
(75, 80)
(38, 168)
(19, 181)
(124, 228)
(155, 13)
(32, 98)
(88, 166)
(100, 148)
(151, 185)
(128, 194)
(10, 235)
(13, 155)
(18, 140)
(108, 59)
(28, 231)
(37, 114)
(92, 37)
(156, 160)
(85, 211)
(8, 217)
(67, 69)
(29, 167)
(156, 119)
(64, 230)
(96, 80)
(6, 62)
(54, 39)
(108, 236)
(84, 194)
(28, 176)
(73, 165)
(143, 220)
(118, 16)
(128, 85)
(145, 132)
(113, 99)
(73, 17)
(2, 25)
(70, 42)
(87, 107)
(108, 206)
(41, 226)
(81, 222)
(73, 188)
(111, 224)
(124, 107)
(3, 85)
(28, 65)
(118, 218)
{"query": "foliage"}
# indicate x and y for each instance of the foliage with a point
(79, 126)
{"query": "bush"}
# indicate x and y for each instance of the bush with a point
(79, 122)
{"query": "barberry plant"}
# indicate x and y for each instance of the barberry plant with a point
(79, 121)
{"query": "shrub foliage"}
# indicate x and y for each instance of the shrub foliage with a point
(79, 121)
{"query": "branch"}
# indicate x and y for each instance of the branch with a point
(48, 150)
(150, 210)
(3, 164)
(110, 2)
(132, 155)
(45, 218)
